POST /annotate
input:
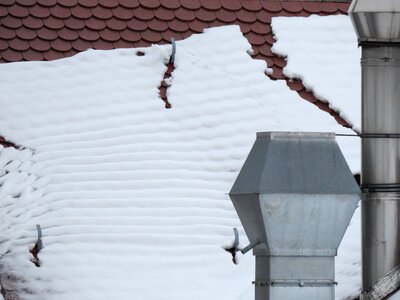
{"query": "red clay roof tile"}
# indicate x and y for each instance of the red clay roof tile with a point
(81, 45)
(295, 85)
(137, 25)
(16, 11)
(7, 2)
(68, 34)
(279, 61)
(311, 7)
(252, 5)
(53, 23)
(184, 14)
(171, 4)
(26, 2)
(157, 25)
(292, 7)
(260, 28)
(164, 14)
(129, 3)
(191, 4)
(231, 5)
(10, 55)
(60, 12)
(32, 22)
(68, 3)
(46, 34)
(178, 26)
(269, 39)
(122, 13)
(116, 24)
(151, 36)
(225, 16)
(169, 34)
(197, 25)
(47, 2)
(32, 55)
(205, 15)
(95, 24)
(246, 16)
(109, 3)
(102, 45)
(144, 13)
(81, 12)
(102, 12)
(3, 45)
(52, 55)
(89, 35)
(123, 44)
(39, 11)
(343, 7)
(3, 11)
(88, 3)
(40, 45)
(70, 53)
(245, 27)
(74, 23)
(255, 39)
(26, 33)
(11, 22)
(211, 4)
(18, 44)
(7, 34)
(60, 45)
(150, 3)
(130, 35)
(264, 16)
(309, 96)
(110, 35)
(272, 6)
(265, 49)
(329, 7)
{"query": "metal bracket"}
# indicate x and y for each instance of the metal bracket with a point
(39, 242)
(173, 43)
(250, 246)
(236, 242)
(295, 282)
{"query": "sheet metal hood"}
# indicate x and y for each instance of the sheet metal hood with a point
(295, 193)
(376, 20)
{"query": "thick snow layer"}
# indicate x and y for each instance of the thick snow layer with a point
(325, 56)
(132, 197)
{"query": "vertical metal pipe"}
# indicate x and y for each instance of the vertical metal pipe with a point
(380, 161)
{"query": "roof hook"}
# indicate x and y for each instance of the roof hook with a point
(172, 59)
(39, 239)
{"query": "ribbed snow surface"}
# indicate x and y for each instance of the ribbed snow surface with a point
(131, 196)
(325, 55)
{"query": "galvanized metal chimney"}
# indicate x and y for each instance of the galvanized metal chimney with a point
(295, 196)
(377, 24)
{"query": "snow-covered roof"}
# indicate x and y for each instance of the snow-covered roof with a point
(52, 29)
(131, 197)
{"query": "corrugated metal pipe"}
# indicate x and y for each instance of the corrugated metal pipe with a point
(377, 24)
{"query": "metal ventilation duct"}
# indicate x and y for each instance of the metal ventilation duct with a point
(295, 196)
(376, 20)
(377, 24)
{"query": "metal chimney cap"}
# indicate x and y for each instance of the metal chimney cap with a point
(295, 163)
(376, 21)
